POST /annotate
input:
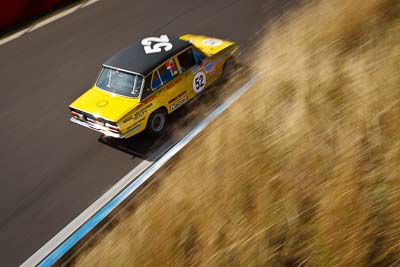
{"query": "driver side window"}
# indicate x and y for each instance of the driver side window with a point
(164, 74)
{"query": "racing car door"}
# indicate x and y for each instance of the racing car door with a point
(168, 85)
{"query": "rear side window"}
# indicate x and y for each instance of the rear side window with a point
(198, 56)
(187, 60)
(164, 74)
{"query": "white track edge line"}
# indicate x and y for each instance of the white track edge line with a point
(53, 18)
(13, 36)
(85, 215)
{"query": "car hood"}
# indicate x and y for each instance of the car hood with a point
(104, 104)
(208, 45)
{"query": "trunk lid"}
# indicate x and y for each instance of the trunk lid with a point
(208, 45)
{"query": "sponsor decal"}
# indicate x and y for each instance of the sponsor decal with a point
(140, 113)
(210, 68)
(176, 97)
(173, 83)
(179, 103)
(149, 99)
(136, 123)
(127, 119)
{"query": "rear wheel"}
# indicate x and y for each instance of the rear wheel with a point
(156, 123)
(228, 68)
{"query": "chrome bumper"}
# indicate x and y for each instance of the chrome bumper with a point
(102, 129)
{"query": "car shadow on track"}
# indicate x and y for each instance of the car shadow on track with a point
(137, 146)
(142, 144)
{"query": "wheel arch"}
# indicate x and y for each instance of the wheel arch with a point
(163, 108)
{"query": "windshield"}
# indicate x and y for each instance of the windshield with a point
(120, 82)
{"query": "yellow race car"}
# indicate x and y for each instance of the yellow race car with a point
(140, 85)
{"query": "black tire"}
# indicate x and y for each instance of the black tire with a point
(156, 123)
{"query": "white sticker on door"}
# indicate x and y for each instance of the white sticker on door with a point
(199, 82)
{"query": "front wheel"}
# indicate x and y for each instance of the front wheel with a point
(156, 123)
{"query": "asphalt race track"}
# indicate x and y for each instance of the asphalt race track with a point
(51, 170)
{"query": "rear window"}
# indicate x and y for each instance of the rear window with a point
(120, 82)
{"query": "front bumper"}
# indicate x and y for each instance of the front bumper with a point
(104, 130)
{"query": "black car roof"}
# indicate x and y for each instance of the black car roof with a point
(135, 59)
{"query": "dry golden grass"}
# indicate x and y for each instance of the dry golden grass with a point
(302, 170)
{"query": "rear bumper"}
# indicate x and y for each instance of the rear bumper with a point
(104, 130)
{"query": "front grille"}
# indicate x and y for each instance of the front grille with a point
(93, 119)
